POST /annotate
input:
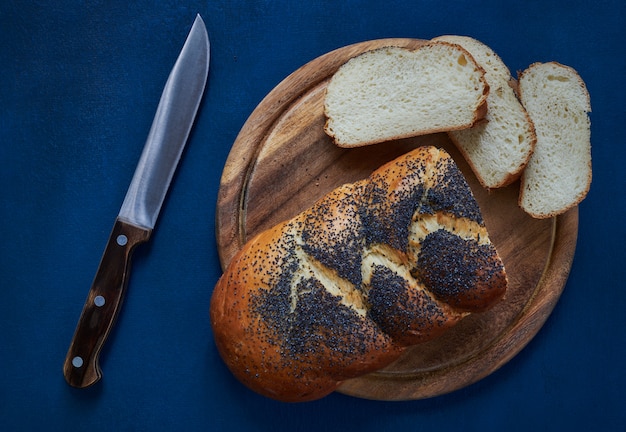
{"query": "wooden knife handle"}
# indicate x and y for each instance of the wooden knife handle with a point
(81, 368)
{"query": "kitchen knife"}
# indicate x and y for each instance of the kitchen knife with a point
(137, 217)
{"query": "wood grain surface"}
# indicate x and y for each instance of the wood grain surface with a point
(282, 162)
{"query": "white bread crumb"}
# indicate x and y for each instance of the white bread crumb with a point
(558, 175)
(390, 93)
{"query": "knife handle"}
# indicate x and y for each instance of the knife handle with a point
(81, 367)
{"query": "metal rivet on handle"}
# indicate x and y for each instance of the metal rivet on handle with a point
(99, 301)
(77, 361)
(122, 240)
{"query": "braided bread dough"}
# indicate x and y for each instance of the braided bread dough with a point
(344, 287)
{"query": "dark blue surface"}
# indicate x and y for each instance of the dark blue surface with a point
(79, 85)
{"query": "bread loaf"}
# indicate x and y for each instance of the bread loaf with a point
(558, 175)
(393, 92)
(498, 148)
(342, 288)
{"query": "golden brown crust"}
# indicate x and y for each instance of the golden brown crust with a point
(341, 289)
(289, 356)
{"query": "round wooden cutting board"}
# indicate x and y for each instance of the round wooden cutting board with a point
(282, 162)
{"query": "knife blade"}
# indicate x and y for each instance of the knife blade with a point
(137, 217)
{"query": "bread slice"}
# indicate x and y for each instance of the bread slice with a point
(558, 175)
(392, 92)
(499, 148)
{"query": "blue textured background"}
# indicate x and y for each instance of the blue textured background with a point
(79, 83)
